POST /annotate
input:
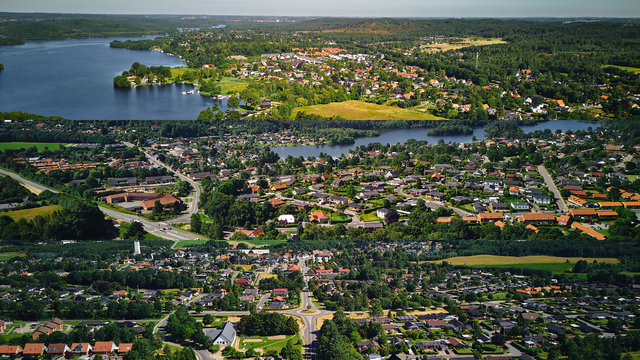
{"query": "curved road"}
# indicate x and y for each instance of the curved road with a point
(23, 180)
(151, 227)
(195, 198)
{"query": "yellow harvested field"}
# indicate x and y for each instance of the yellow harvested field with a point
(29, 214)
(359, 110)
(251, 246)
(512, 260)
(479, 42)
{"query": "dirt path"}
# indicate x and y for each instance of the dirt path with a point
(33, 189)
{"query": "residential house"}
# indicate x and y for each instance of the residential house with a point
(104, 347)
(10, 350)
(318, 216)
(80, 348)
(57, 349)
(33, 350)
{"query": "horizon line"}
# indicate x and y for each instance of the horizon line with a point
(331, 16)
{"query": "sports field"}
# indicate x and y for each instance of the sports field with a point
(493, 260)
(29, 214)
(358, 110)
(26, 145)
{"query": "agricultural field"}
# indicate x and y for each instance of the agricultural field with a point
(358, 110)
(29, 214)
(472, 42)
(555, 264)
(40, 146)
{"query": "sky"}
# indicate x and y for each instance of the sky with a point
(351, 8)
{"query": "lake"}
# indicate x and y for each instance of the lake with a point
(402, 135)
(74, 79)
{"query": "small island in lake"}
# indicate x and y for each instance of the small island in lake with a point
(444, 130)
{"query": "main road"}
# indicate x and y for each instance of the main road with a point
(150, 227)
(23, 180)
(549, 181)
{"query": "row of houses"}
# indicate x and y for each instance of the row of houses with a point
(36, 350)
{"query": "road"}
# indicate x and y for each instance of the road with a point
(151, 227)
(309, 332)
(550, 184)
(195, 197)
(23, 180)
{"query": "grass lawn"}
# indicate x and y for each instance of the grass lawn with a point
(10, 255)
(204, 217)
(29, 214)
(265, 343)
(370, 216)
(257, 243)
(176, 72)
(514, 260)
(358, 110)
(185, 243)
(632, 178)
(233, 84)
(635, 70)
(26, 145)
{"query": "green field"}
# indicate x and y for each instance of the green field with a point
(29, 214)
(185, 243)
(358, 110)
(495, 260)
(10, 255)
(628, 68)
(265, 344)
(176, 72)
(556, 268)
(232, 84)
(26, 145)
